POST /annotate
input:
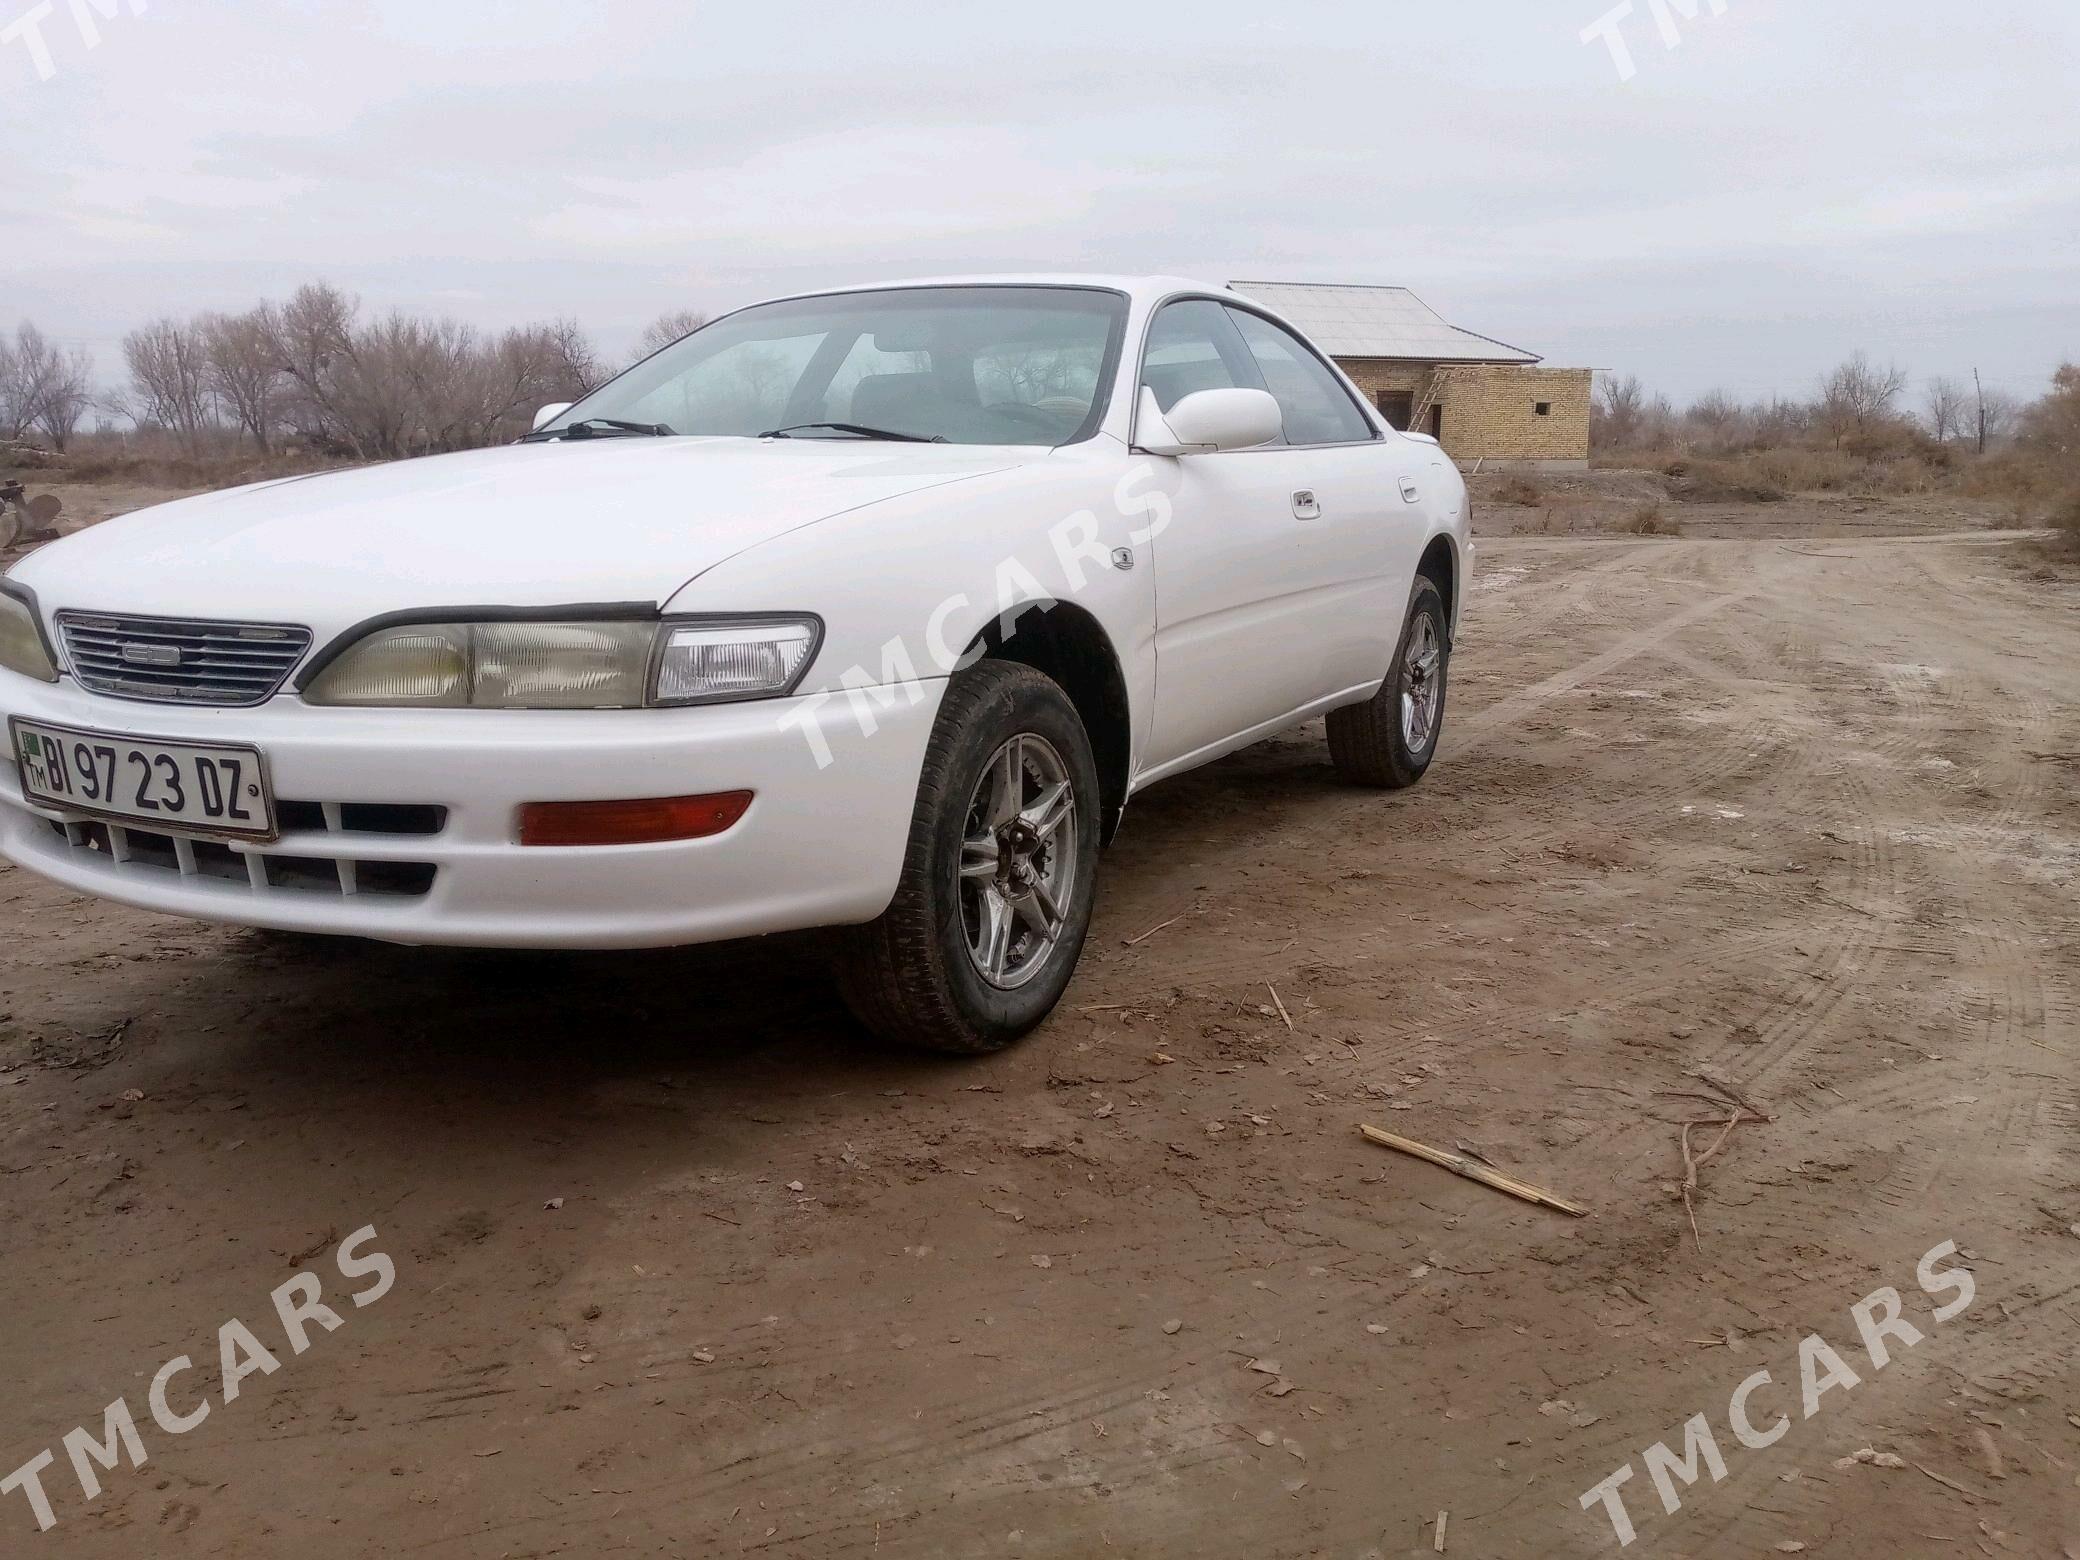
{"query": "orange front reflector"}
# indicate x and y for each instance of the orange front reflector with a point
(644, 822)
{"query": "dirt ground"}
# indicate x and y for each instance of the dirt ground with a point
(685, 1268)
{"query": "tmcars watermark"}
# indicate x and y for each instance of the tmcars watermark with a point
(1078, 555)
(240, 1354)
(1879, 1323)
(1610, 27)
(27, 29)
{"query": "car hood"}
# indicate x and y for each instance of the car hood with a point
(606, 520)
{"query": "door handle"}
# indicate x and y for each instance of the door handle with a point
(1306, 506)
(1409, 489)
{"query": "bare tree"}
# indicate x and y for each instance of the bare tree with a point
(580, 369)
(244, 370)
(1946, 404)
(533, 366)
(1620, 403)
(19, 390)
(666, 329)
(12, 423)
(2053, 424)
(404, 386)
(1716, 419)
(1777, 422)
(42, 387)
(1859, 395)
(312, 339)
(1998, 417)
(169, 372)
(67, 399)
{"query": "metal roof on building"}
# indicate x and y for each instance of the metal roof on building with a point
(1378, 322)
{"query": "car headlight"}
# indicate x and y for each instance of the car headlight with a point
(21, 641)
(569, 666)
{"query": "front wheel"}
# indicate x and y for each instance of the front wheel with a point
(999, 878)
(1389, 740)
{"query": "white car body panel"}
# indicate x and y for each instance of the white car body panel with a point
(797, 859)
(1264, 612)
(519, 525)
(1044, 530)
(1229, 612)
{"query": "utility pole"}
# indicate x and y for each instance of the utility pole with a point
(1981, 389)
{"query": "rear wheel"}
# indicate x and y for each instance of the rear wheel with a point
(995, 898)
(1389, 740)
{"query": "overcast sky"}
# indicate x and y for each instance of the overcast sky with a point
(1795, 180)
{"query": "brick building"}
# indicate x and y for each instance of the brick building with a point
(1484, 399)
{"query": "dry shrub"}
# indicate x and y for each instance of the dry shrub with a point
(1737, 481)
(1634, 460)
(2037, 486)
(1523, 493)
(1648, 520)
(1800, 469)
(1770, 476)
(1885, 460)
(155, 458)
(26, 457)
(191, 471)
(2021, 480)
(2065, 518)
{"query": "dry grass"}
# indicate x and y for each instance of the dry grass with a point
(1735, 481)
(1520, 491)
(1649, 520)
(1775, 475)
(2065, 520)
(167, 468)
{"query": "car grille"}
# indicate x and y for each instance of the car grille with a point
(181, 661)
(323, 837)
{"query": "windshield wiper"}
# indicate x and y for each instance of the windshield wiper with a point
(590, 428)
(860, 430)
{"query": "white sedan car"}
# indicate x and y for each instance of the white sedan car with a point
(868, 609)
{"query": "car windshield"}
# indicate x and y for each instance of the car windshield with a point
(956, 365)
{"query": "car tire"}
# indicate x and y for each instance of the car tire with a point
(1389, 740)
(962, 960)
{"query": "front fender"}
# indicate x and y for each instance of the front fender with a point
(904, 587)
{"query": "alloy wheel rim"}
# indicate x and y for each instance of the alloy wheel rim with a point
(1019, 849)
(1422, 665)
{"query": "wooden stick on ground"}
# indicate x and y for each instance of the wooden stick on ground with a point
(1706, 1075)
(1135, 942)
(1275, 997)
(1971, 1495)
(1459, 1164)
(1692, 1166)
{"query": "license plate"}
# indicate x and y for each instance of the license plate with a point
(187, 787)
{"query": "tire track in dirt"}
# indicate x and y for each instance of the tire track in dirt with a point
(1850, 955)
(1985, 1100)
(1469, 734)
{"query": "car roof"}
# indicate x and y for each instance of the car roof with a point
(1140, 288)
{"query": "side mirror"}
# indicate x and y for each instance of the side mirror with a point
(550, 413)
(1208, 420)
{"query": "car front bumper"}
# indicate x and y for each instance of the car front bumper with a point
(821, 844)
